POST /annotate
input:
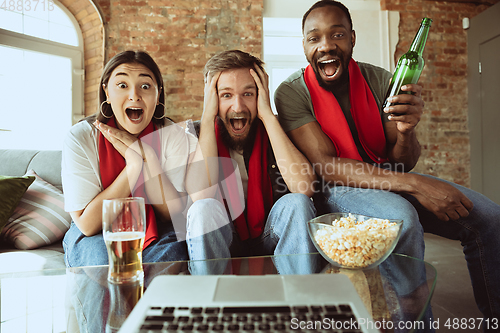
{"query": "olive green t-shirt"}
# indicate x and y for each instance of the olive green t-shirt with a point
(295, 108)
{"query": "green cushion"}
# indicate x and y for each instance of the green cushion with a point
(11, 191)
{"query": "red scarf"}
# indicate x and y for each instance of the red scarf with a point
(112, 163)
(364, 110)
(259, 195)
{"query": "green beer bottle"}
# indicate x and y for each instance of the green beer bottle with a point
(411, 64)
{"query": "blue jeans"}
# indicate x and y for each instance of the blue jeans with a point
(80, 250)
(479, 232)
(211, 235)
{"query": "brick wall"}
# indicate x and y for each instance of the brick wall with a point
(181, 36)
(443, 130)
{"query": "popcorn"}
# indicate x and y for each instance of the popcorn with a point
(356, 244)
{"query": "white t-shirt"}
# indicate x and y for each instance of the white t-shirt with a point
(81, 177)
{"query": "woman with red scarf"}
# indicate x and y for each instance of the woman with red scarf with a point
(128, 148)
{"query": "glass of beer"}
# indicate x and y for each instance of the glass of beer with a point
(123, 228)
(122, 299)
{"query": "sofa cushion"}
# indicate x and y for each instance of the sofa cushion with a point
(39, 219)
(47, 257)
(46, 163)
(11, 191)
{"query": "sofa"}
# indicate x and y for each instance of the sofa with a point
(47, 166)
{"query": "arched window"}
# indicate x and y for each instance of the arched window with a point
(41, 74)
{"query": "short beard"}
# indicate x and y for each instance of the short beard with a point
(341, 81)
(237, 144)
(335, 85)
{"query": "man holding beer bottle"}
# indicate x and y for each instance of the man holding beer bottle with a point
(332, 112)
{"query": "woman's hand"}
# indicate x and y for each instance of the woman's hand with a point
(122, 141)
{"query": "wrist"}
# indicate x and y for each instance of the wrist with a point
(406, 182)
(150, 156)
(407, 138)
(268, 118)
(134, 166)
(207, 122)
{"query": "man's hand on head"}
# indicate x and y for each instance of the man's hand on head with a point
(211, 99)
(406, 109)
(264, 102)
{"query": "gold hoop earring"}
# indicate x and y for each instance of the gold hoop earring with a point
(164, 109)
(100, 109)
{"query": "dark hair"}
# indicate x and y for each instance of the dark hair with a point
(324, 3)
(131, 57)
(232, 59)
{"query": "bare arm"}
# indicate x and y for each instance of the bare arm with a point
(160, 192)
(203, 171)
(168, 202)
(89, 219)
(139, 157)
(320, 151)
(294, 167)
(442, 199)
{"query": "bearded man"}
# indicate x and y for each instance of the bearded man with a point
(251, 187)
(332, 112)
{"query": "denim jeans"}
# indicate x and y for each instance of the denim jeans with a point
(211, 235)
(479, 232)
(80, 250)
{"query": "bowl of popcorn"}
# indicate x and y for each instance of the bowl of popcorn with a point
(354, 241)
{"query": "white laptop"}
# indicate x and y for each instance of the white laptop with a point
(265, 303)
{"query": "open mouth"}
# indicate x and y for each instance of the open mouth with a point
(238, 124)
(134, 114)
(329, 68)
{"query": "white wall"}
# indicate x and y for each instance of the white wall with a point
(376, 35)
(376, 30)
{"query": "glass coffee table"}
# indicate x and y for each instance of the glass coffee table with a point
(396, 293)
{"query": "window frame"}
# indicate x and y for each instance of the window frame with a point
(75, 53)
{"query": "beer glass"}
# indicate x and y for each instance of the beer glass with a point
(123, 228)
(122, 299)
